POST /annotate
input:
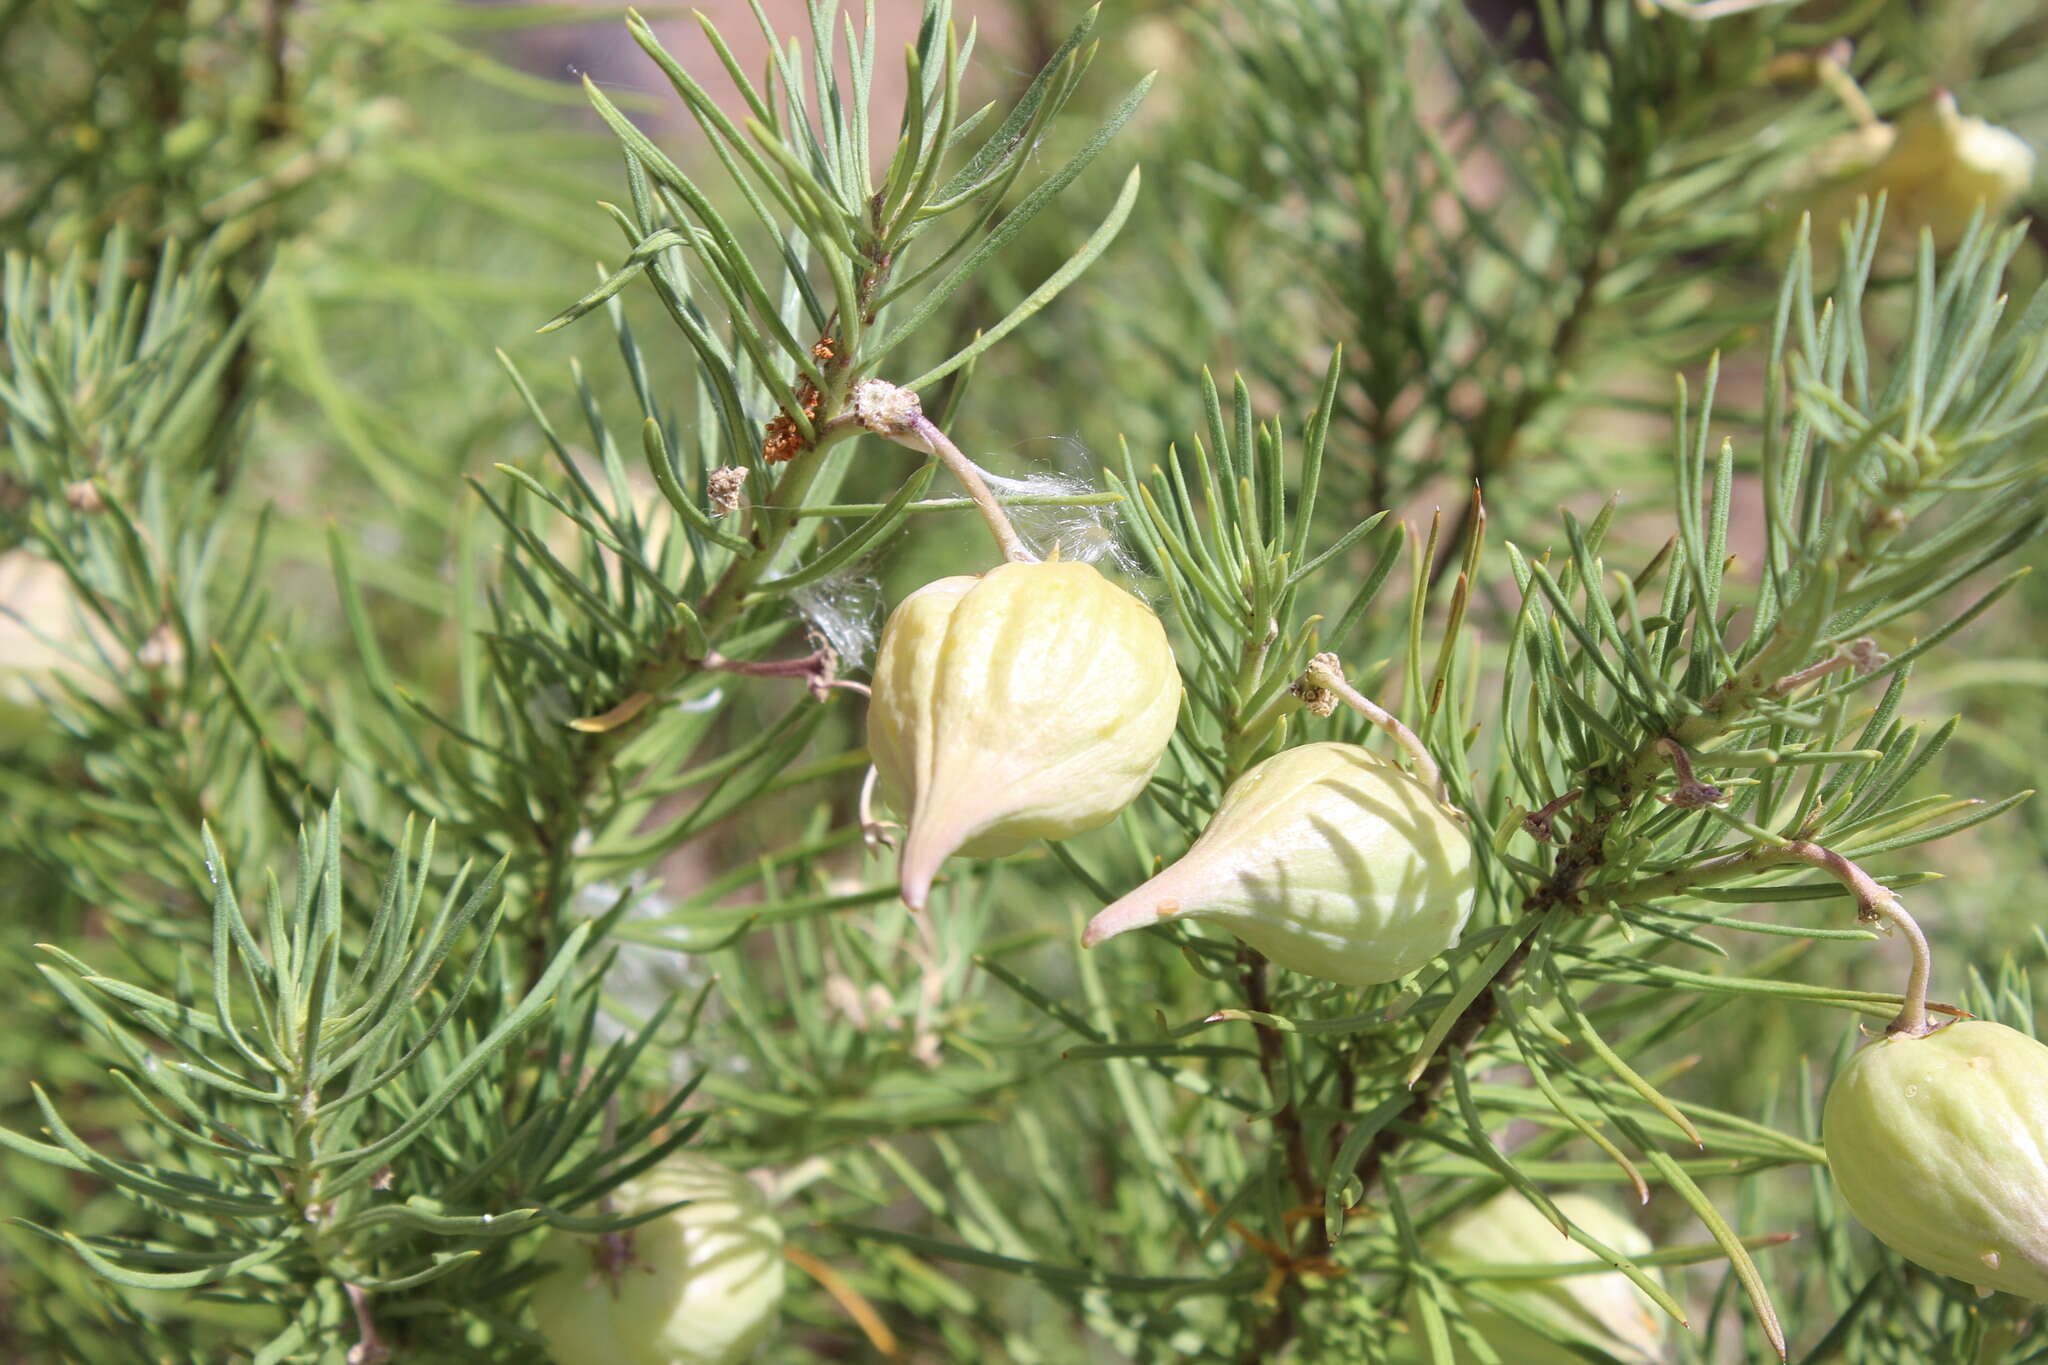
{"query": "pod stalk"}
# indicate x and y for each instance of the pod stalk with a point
(1831, 73)
(1326, 673)
(895, 414)
(1877, 903)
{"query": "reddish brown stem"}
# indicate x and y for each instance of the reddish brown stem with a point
(1272, 1062)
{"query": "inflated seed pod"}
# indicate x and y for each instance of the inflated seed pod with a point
(1935, 166)
(1603, 1309)
(1031, 702)
(1939, 1145)
(1329, 860)
(697, 1286)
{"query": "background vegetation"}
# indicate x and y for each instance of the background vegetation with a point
(339, 963)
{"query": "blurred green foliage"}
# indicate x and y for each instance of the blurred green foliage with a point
(310, 538)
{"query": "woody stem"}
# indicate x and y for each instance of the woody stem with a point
(369, 1348)
(811, 665)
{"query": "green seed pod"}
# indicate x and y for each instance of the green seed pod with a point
(1939, 1145)
(1032, 702)
(1603, 1309)
(697, 1286)
(1326, 858)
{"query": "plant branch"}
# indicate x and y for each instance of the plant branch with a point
(1277, 1330)
(1578, 860)
(659, 671)
(1272, 1062)
(1496, 448)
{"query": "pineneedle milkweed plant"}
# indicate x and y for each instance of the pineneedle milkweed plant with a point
(613, 892)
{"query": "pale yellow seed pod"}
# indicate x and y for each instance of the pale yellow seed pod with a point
(1945, 166)
(1328, 859)
(697, 1286)
(1992, 165)
(1032, 702)
(1936, 168)
(1939, 1145)
(1602, 1309)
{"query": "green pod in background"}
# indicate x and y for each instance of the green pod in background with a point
(1329, 860)
(1939, 1145)
(1602, 1309)
(700, 1285)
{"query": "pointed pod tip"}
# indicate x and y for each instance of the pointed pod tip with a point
(1142, 907)
(925, 846)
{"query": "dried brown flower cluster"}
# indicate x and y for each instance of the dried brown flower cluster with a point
(783, 440)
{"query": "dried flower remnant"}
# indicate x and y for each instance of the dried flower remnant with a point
(783, 441)
(887, 409)
(1691, 793)
(724, 489)
(1318, 701)
(1542, 822)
